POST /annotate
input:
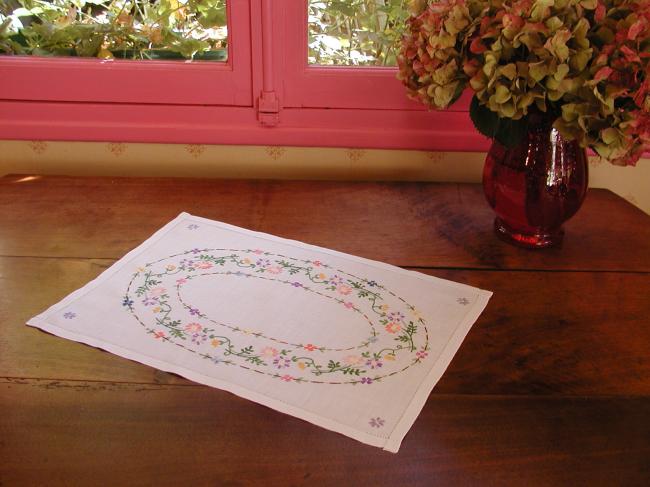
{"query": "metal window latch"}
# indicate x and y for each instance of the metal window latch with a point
(268, 109)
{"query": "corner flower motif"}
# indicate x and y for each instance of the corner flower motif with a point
(376, 422)
(69, 315)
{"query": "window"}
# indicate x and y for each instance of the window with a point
(287, 80)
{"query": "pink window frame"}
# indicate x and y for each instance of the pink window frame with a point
(265, 95)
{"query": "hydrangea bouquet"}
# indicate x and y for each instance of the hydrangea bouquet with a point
(584, 63)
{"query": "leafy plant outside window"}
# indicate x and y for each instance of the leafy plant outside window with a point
(130, 29)
(355, 32)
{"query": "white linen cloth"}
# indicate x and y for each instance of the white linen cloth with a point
(349, 344)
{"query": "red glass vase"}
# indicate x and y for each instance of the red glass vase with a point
(536, 186)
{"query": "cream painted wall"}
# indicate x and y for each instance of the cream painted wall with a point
(121, 159)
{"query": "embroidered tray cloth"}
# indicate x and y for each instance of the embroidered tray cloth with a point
(346, 343)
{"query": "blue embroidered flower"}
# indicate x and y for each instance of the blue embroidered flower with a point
(69, 315)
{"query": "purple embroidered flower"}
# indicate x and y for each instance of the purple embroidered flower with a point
(263, 262)
(216, 360)
(376, 422)
(149, 301)
(373, 339)
(336, 280)
(374, 363)
(195, 251)
(366, 380)
(421, 354)
(199, 338)
(186, 263)
(296, 284)
(463, 301)
(192, 226)
(69, 315)
(396, 316)
(127, 302)
(281, 362)
(194, 312)
(372, 283)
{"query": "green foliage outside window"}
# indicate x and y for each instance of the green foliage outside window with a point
(135, 29)
(356, 32)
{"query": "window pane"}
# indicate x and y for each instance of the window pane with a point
(355, 32)
(124, 29)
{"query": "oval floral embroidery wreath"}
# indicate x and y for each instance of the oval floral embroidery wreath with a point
(398, 340)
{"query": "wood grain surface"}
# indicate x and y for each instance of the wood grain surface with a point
(405, 224)
(550, 387)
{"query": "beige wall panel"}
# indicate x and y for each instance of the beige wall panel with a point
(120, 159)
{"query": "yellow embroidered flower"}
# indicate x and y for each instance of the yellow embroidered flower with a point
(215, 342)
(170, 267)
(321, 276)
(157, 309)
(390, 356)
(301, 365)
(246, 261)
(384, 307)
(247, 331)
(140, 269)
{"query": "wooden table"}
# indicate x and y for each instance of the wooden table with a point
(550, 387)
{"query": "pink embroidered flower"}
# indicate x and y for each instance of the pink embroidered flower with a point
(352, 360)
(181, 281)
(274, 270)
(269, 352)
(421, 354)
(158, 291)
(286, 378)
(310, 347)
(258, 251)
(317, 263)
(393, 327)
(366, 380)
(348, 305)
(193, 328)
(159, 334)
(203, 265)
(343, 289)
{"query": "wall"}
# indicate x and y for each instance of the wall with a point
(129, 159)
